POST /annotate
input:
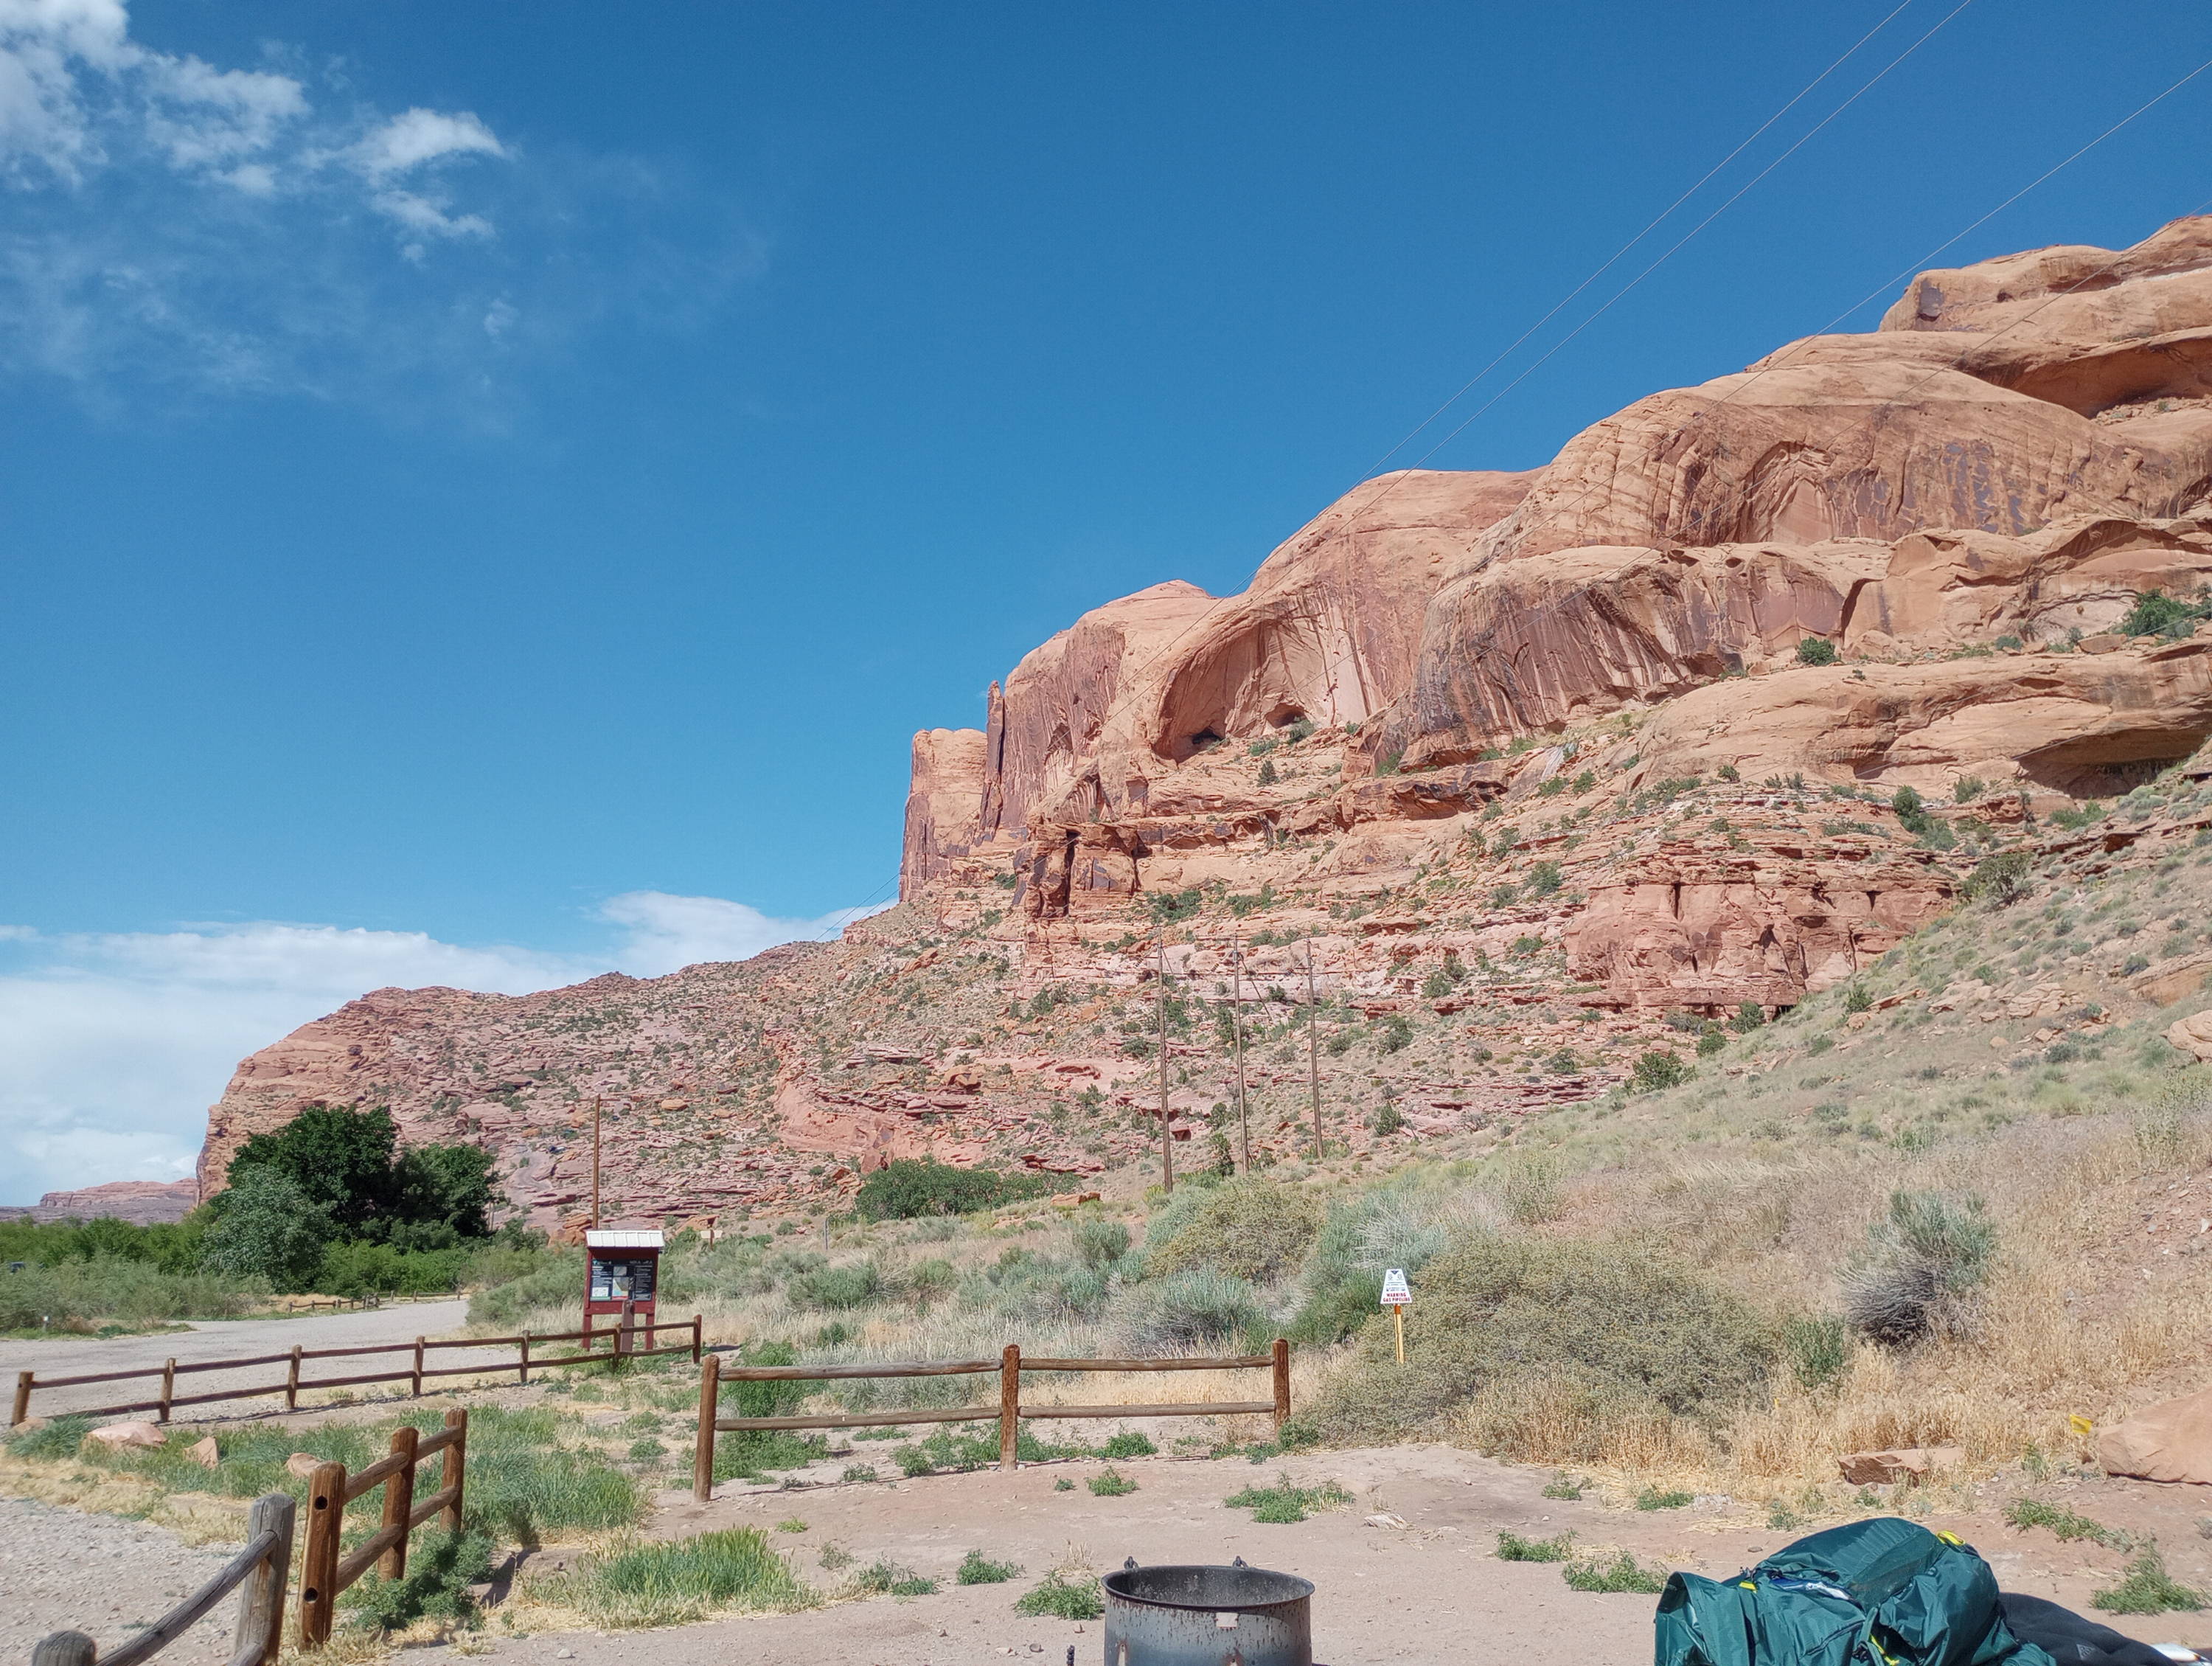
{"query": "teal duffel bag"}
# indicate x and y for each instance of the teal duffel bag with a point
(1883, 1592)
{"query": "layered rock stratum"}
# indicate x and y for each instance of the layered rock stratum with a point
(1488, 784)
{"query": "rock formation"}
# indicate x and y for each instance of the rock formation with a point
(141, 1202)
(1500, 778)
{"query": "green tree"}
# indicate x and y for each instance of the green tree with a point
(1815, 650)
(267, 1227)
(341, 1159)
(451, 1186)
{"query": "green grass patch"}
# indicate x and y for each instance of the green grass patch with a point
(440, 1567)
(1063, 1596)
(1284, 1503)
(977, 1569)
(1128, 1444)
(1623, 1573)
(1512, 1547)
(2146, 1588)
(1652, 1497)
(1111, 1484)
(889, 1578)
(732, 1572)
(1564, 1486)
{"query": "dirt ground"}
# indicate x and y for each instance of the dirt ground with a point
(1431, 1590)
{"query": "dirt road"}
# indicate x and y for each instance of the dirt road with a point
(226, 1339)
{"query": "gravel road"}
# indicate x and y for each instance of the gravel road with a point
(65, 1571)
(227, 1339)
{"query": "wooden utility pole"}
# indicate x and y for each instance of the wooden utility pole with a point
(595, 1161)
(1237, 972)
(1313, 1046)
(1167, 1136)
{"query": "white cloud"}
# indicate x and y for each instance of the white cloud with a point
(418, 135)
(113, 1045)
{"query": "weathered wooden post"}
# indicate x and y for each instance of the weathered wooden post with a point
(524, 1378)
(261, 1598)
(64, 1649)
(22, 1398)
(1009, 1406)
(696, 1337)
(702, 1449)
(318, 1564)
(168, 1386)
(452, 1476)
(1282, 1362)
(399, 1500)
(291, 1380)
(415, 1389)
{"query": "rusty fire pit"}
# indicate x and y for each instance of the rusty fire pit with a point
(1191, 1614)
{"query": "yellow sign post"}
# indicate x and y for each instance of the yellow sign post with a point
(1397, 1298)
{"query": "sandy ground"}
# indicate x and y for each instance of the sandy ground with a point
(223, 1339)
(1429, 1591)
(63, 1571)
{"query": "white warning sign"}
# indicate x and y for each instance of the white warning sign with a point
(1395, 1292)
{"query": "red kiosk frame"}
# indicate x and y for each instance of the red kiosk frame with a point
(622, 1274)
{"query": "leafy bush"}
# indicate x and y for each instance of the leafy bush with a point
(2156, 614)
(1168, 906)
(1100, 1242)
(1190, 1310)
(1064, 1595)
(2000, 879)
(1749, 1016)
(1128, 1444)
(1815, 650)
(1922, 1275)
(1656, 1497)
(911, 1188)
(888, 1579)
(269, 1228)
(1711, 1042)
(977, 1569)
(1657, 1070)
(838, 1289)
(1389, 1120)
(1557, 1336)
(1251, 1229)
(1110, 1483)
(440, 1567)
(83, 1295)
(2065, 1525)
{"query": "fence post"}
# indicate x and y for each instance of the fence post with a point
(1010, 1405)
(291, 1380)
(1282, 1352)
(22, 1398)
(168, 1386)
(626, 1338)
(524, 1378)
(454, 1474)
(399, 1500)
(261, 1598)
(318, 1564)
(696, 1339)
(702, 1449)
(416, 1388)
(64, 1649)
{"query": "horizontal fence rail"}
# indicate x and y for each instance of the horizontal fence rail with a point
(258, 1573)
(325, 1573)
(1008, 1412)
(621, 1343)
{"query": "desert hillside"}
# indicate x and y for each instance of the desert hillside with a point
(1494, 794)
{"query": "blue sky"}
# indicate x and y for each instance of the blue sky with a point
(489, 492)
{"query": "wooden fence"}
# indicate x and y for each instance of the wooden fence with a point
(258, 1573)
(1008, 1412)
(622, 1338)
(324, 1572)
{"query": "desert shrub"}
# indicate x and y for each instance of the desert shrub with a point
(1064, 1595)
(1128, 1444)
(1252, 1229)
(2148, 1588)
(555, 1280)
(2065, 1525)
(440, 1567)
(908, 1188)
(1190, 1310)
(1283, 1503)
(1657, 1497)
(1818, 1348)
(2157, 614)
(1110, 1483)
(1657, 1070)
(1749, 1016)
(1622, 1573)
(1857, 998)
(1968, 789)
(977, 1569)
(837, 1289)
(83, 1295)
(1926, 1264)
(1565, 1332)
(1100, 1242)
(1712, 1042)
(1389, 1120)
(1512, 1547)
(1815, 650)
(1999, 879)
(1397, 1034)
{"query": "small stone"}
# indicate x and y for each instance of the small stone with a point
(302, 1464)
(204, 1453)
(564, 1654)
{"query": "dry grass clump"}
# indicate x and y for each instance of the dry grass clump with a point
(1256, 1230)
